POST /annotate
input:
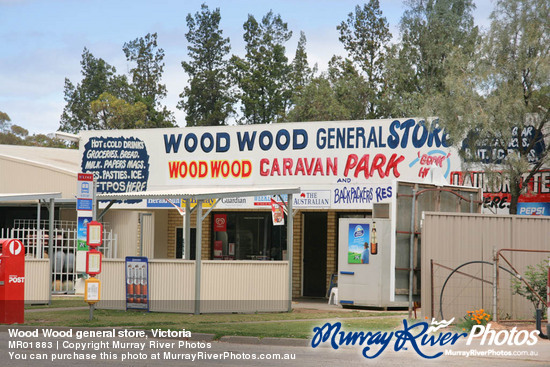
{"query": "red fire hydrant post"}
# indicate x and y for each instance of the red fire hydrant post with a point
(12, 282)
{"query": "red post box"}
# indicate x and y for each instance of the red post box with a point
(12, 282)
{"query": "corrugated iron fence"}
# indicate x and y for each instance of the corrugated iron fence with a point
(450, 240)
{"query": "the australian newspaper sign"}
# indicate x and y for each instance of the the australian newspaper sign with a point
(339, 165)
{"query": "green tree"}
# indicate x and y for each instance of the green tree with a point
(350, 88)
(261, 76)
(365, 36)
(98, 77)
(146, 79)
(317, 101)
(536, 277)
(431, 31)
(4, 122)
(207, 99)
(501, 101)
(300, 76)
(116, 113)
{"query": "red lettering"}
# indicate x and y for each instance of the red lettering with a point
(392, 165)
(363, 165)
(287, 166)
(309, 168)
(225, 168)
(350, 163)
(173, 168)
(203, 169)
(275, 167)
(318, 167)
(263, 170)
(238, 165)
(183, 169)
(332, 166)
(193, 169)
(247, 169)
(378, 164)
(215, 168)
(300, 167)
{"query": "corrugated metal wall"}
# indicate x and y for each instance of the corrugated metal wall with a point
(37, 283)
(244, 286)
(27, 173)
(226, 286)
(124, 224)
(113, 284)
(451, 239)
(172, 285)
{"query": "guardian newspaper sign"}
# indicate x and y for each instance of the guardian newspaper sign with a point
(338, 165)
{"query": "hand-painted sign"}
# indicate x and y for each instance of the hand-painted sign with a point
(317, 157)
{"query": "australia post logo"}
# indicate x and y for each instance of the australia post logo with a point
(15, 247)
(16, 279)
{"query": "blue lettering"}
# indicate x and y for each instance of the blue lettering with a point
(418, 142)
(331, 134)
(263, 135)
(321, 139)
(372, 137)
(219, 147)
(360, 136)
(340, 138)
(207, 148)
(393, 139)
(331, 332)
(193, 138)
(286, 134)
(246, 140)
(296, 133)
(406, 126)
(172, 143)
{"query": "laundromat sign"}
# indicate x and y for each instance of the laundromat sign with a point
(354, 160)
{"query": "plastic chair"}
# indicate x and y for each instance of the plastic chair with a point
(333, 298)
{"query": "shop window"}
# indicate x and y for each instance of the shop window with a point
(247, 236)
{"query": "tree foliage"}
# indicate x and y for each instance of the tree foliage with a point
(11, 134)
(261, 76)
(146, 79)
(97, 77)
(116, 113)
(537, 277)
(206, 99)
(365, 36)
(431, 31)
(501, 101)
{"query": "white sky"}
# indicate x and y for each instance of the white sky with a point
(41, 42)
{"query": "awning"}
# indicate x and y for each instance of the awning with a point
(205, 193)
(30, 196)
(201, 193)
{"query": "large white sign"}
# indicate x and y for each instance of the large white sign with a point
(346, 164)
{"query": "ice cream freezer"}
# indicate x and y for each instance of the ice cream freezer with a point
(364, 262)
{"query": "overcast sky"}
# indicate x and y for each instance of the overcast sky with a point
(41, 42)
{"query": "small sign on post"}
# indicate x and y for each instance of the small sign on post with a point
(93, 262)
(94, 234)
(92, 290)
(94, 239)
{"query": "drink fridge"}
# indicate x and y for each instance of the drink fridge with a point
(364, 262)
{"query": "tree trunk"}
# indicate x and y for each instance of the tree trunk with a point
(515, 190)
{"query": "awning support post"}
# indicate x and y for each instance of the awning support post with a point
(289, 237)
(198, 256)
